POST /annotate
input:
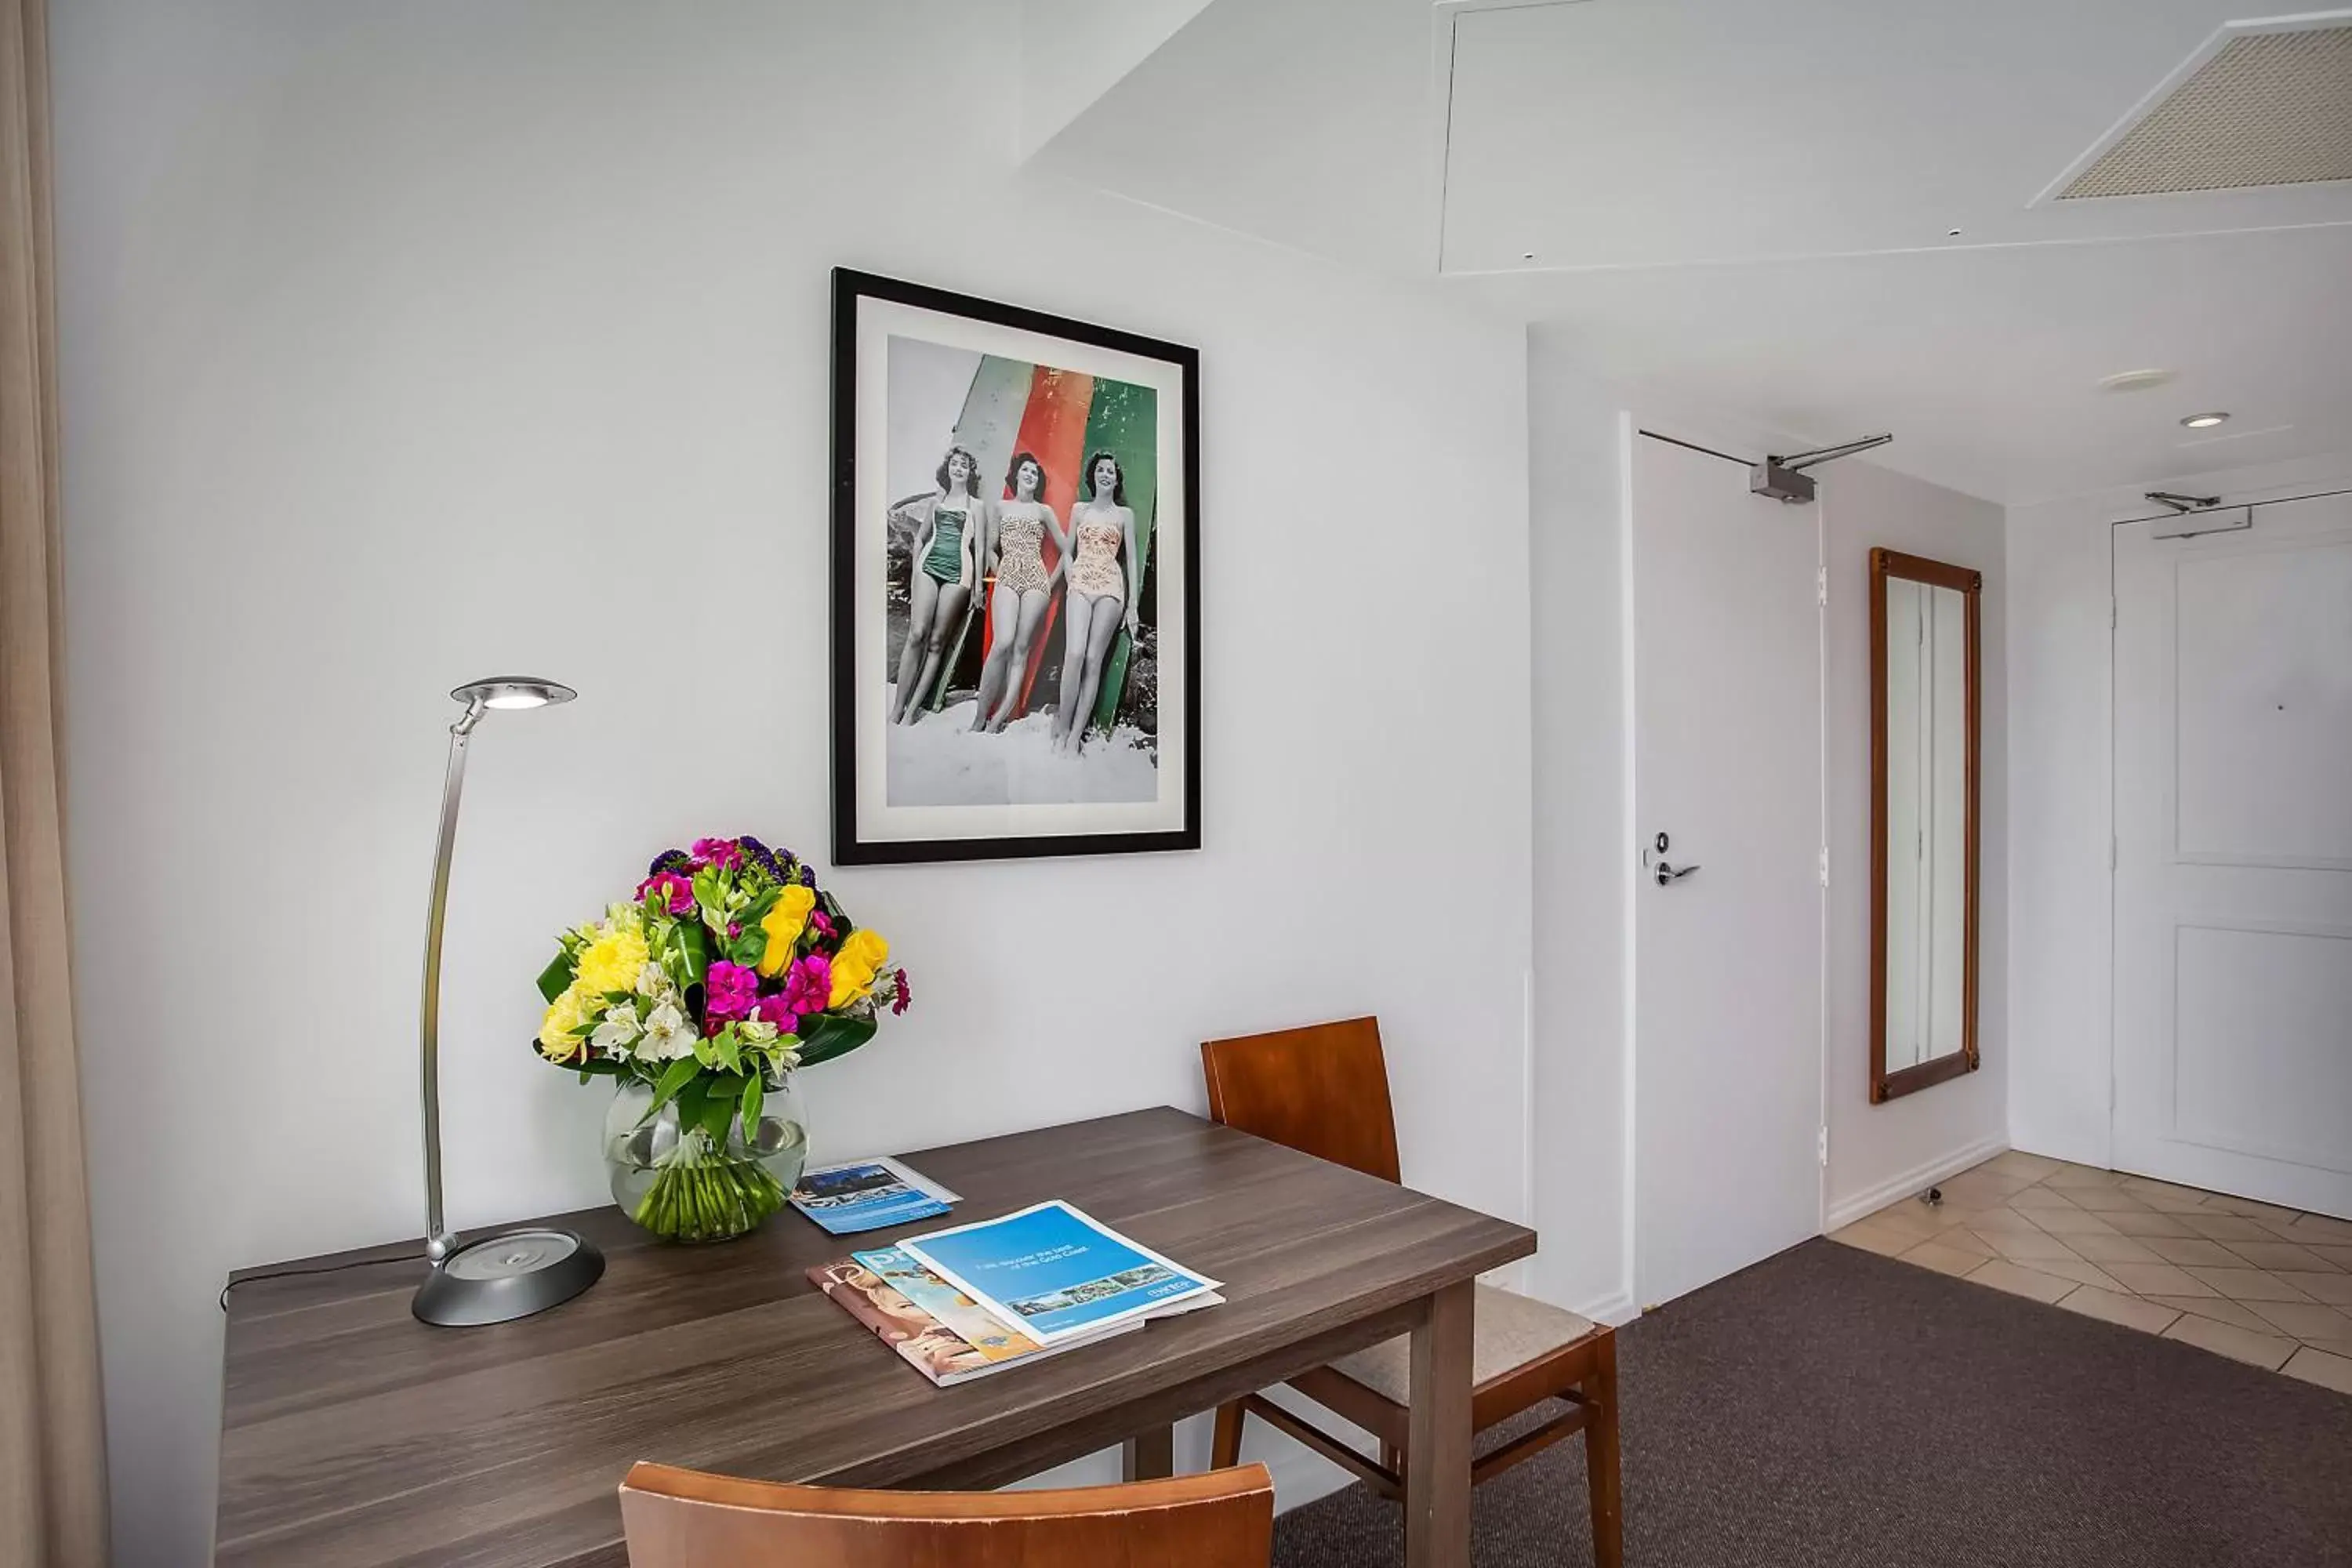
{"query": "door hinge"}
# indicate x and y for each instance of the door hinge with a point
(1824, 864)
(1825, 1146)
(2114, 617)
(2114, 854)
(1822, 586)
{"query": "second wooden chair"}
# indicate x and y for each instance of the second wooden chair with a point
(687, 1519)
(1324, 1090)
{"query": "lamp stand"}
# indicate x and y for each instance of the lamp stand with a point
(496, 1278)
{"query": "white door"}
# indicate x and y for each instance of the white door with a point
(1726, 637)
(2233, 857)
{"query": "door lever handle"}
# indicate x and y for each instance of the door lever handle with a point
(1669, 875)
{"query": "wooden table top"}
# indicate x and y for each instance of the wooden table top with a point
(353, 1434)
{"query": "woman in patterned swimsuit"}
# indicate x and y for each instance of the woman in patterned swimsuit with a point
(939, 576)
(1104, 575)
(1015, 544)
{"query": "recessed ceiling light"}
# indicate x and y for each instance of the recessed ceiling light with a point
(2134, 380)
(2206, 421)
(1951, 234)
(1527, 256)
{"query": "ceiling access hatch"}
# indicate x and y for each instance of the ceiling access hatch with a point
(2260, 103)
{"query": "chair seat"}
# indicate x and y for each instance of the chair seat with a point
(1508, 1330)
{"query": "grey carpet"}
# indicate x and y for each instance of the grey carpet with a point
(1829, 1408)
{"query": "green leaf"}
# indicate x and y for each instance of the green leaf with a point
(674, 1079)
(729, 1049)
(691, 1102)
(556, 978)
(718, 1110)
(694, 950)
(747, 949)
(753, 1092)
(831, 1035)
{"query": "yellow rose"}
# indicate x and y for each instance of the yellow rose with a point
(861, 958)
(557, 1041)
(612, 961)
(784, 925)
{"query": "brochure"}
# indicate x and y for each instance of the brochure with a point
(867, 1195)
(921, 1339)
(1054, 1274)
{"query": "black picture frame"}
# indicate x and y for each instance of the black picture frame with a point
(853, 843)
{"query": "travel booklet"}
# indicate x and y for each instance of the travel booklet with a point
(867, 1195)
(1054, 1274)
(936, 1329)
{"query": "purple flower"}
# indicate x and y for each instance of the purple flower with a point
(723, 853)
(728, 991)
(899, 1003)
(677, 894)
(668, 860)
(774, 1009)
(808, 985)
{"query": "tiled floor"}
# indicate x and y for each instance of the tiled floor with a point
(2262, 1284)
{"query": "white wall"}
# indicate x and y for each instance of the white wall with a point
(1880, 1152)
(2061, 785)
(404, 343)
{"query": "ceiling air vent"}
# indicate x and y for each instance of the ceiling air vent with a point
(2262, 103)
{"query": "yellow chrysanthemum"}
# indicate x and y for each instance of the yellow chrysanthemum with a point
(557, 1041)
(784, 925)
(612, 961)
(861, 958)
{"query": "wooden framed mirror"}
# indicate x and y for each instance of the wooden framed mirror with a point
(1926, 747)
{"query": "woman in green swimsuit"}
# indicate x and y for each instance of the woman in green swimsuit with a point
(940, 576)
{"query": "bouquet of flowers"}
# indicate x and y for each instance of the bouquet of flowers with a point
(727, 969)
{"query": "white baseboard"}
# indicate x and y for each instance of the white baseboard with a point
(1844, 1212)
(1615, 1311)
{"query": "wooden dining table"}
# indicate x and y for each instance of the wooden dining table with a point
(353, 1434)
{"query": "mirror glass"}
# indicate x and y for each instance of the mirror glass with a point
(1927, 819)
(1923, 654)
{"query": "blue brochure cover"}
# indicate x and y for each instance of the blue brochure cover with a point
(1052, 1273)
(867, 1195)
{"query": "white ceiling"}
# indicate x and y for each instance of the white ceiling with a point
(1748, 202)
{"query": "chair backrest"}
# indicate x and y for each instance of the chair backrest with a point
(1322, 1090)
(687, 1519)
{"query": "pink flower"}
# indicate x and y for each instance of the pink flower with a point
(723, 853)
(821, 922)
(774, 1009)
(899, 1003)
(676, 892)
(808, 985)
(728, 990)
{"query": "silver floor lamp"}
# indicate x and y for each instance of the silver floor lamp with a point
(517, 1272)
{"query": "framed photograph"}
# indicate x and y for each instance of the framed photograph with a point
(1016, 561)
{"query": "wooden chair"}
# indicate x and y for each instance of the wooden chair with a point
(686, 1518)
(1324, 1090)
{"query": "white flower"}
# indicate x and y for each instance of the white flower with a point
(652, 981)
(755, 1031)
(618, 1031)
(669, 1034)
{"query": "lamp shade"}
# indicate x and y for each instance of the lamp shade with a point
(514, 692)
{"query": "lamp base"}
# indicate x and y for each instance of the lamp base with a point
(501, 1278)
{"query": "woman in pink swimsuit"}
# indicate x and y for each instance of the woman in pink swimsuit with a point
(1104, 575)
(1016, 547)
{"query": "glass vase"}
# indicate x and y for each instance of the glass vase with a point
(683, 1185)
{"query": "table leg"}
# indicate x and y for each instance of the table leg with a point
(1151, 1454)
(1437, 1450)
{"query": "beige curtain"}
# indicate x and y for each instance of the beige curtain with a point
(52, 1450)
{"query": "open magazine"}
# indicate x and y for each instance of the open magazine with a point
(1054, 1274)
(935, 1328)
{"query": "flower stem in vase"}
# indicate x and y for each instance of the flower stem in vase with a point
(699, 1194)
